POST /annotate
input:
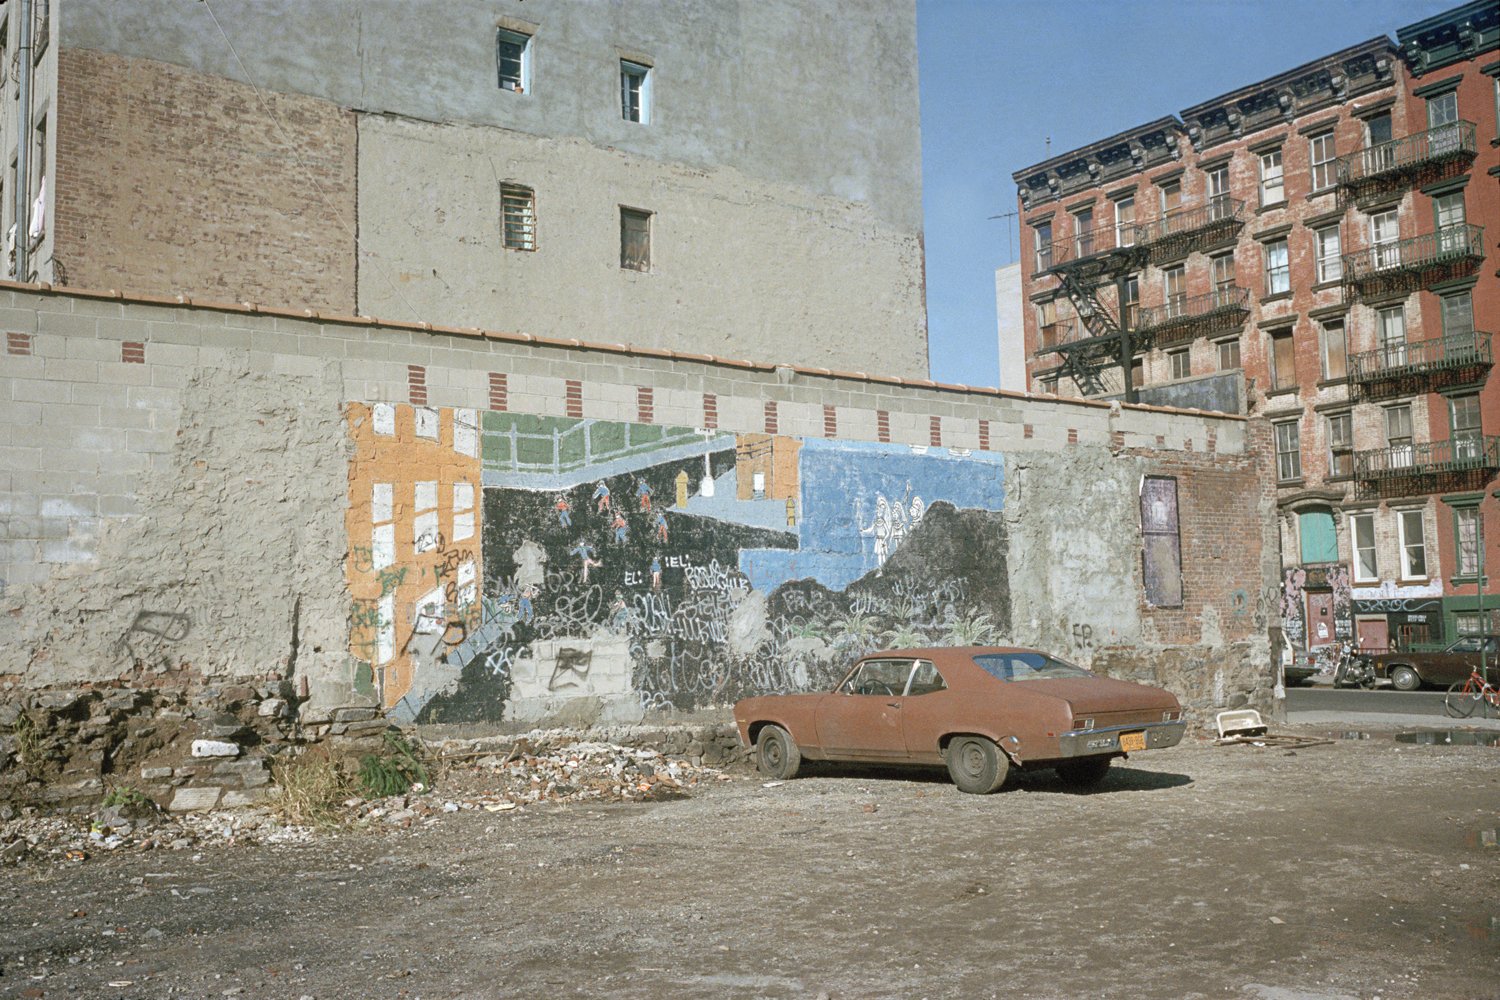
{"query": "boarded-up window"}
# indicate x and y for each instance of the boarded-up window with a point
(635, 239)
(1283, 364)
(1319, 541)
(1161, 551)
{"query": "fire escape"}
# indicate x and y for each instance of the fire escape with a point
(1084, 266)
(1372, 175)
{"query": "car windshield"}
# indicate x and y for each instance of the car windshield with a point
(1020, 666)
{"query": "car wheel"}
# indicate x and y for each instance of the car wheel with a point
(1405, 679)
(1086, 772)
(776, 753)
(976, 765)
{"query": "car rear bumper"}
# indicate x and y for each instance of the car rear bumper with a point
(1086, 742)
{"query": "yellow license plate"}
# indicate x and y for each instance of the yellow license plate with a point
(1132, 741)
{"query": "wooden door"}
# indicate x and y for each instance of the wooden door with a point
(1319, 618)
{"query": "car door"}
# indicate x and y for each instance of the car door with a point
(927, 712)
(861, 719)
(1452, 664)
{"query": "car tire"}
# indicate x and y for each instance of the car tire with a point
(777, 754)
(976, 765)
(1404, 678)
(1086, 772)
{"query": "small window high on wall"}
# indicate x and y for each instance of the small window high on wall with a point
(1161, 544)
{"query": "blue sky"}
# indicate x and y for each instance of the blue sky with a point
(1000, 76)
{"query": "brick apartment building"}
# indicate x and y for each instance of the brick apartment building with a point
(1317, 250)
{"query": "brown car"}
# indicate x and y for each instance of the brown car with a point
(977, 709)
(1409, 671)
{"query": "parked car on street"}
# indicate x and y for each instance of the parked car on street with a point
(978, 709)
(1410, 670)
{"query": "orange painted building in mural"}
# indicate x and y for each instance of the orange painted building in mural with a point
(414, 525)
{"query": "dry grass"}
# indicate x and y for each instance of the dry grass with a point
(313, 788)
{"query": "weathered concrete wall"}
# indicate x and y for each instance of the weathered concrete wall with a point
(787, 284)
(180, 182)
(198, 492)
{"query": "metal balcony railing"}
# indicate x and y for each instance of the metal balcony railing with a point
(1468, 453)
(1407, 154)
(1100, 239)
(1422, 357)
(1188, 312)
(1451, 244)
(1219, 212)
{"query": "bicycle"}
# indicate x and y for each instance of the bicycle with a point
(1465, 696)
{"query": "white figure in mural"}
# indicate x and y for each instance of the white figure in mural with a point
(531, 564)
(893, 521)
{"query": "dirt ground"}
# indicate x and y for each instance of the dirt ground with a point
(1357, 869)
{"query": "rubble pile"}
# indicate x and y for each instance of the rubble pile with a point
(30, 836)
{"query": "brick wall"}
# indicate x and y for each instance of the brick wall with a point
(171, 181)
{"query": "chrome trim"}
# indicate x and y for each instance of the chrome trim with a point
(1083, 742)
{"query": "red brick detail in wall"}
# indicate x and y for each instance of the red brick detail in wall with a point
(133, 352)
(710, 411)
(771, 421)
(276, 170)
(984, 435)
(830, 421)
(1213, 441)
(1026, 430)
(1072, 435)
(883, 426)
(573, 397)
(1116, 440)
(499, 391)
(18, 343)
(935, 431)
(645, 410)
(416, 384)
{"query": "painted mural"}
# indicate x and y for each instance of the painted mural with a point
(623, 568)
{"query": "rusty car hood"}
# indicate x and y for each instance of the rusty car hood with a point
(1102, 694)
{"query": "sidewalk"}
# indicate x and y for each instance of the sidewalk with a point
(1386, 721)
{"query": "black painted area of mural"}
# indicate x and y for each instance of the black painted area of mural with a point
(480, 696)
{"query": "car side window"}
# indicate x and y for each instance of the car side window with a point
(925, 679)
(882, 677)
(1469, 644)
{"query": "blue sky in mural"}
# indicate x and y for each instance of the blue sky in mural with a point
(999, 79)
(860, 500)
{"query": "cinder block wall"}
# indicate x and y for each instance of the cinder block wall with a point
(176, 491)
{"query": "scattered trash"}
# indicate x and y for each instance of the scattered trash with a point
(1245, 726)
(773, 784)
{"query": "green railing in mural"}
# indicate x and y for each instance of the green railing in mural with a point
(1460, 350)
(1407, 153)
(1451, 244)
(1466, 453)
(585, 443)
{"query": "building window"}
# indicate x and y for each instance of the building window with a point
(1229, 354)
(382, 526)
(1362, 537)
(635, 92)
(1398, 435)
(1132, 302)
(1272, 192)
(518, 216)
(513, 56)
(635, 239)
(1278, 268)
(425, 524)
(1413, 545)
(1161, 555)
(1332, 349)
(1125, 222)
(1319, 538)
(1385, 232)
(1180, 362)
(1391, 323)
(1171, 196)
(1340, 446)
(1380, 152)
(1458, 315)
(1083, 232)
(1222, 272)
(1323, 157)
(1174, 287)
(1442, 121)
(1042, 234)
(1330, 263)
(1288, 452)
(1220, 205)
(1466, 535)
(1283, 360)
(463, 511)
(1448, 213)
(1464, 425)
(1138, 372)
(41, 31)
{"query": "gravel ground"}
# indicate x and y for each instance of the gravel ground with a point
(1364, 868)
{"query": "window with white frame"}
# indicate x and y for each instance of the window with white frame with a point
(426, 422)
(1272, 190)
(1220, 205)
(382, 526)
(1329, 248)
(635, 92)
(466, 432)
(1083, 232)
(1221, 272)
(1448, 214)
(1458, 315)
(1288, 452)
(1171, 197)
(1362, 540)
(1278, 268)
(383, 418)
(1229, 354)
(425, 524)
(1332, 349)
(1390, 324)
(1464, 425)
(513, 58)
(1125, 222)
(1174, 289)
(1398, 438)
(1340, 446)
(1132, 302)
(1041, 234)
(1385, 234)
(1466, 535)
(1323, 155)
(518, 217)
(1442, 122)
(463, 511)
(1181, 363)
(1413, 541)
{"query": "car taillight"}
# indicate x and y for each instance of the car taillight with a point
(1170, 716)
(1083, 723)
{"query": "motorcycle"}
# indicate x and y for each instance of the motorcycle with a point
(1352, 670)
